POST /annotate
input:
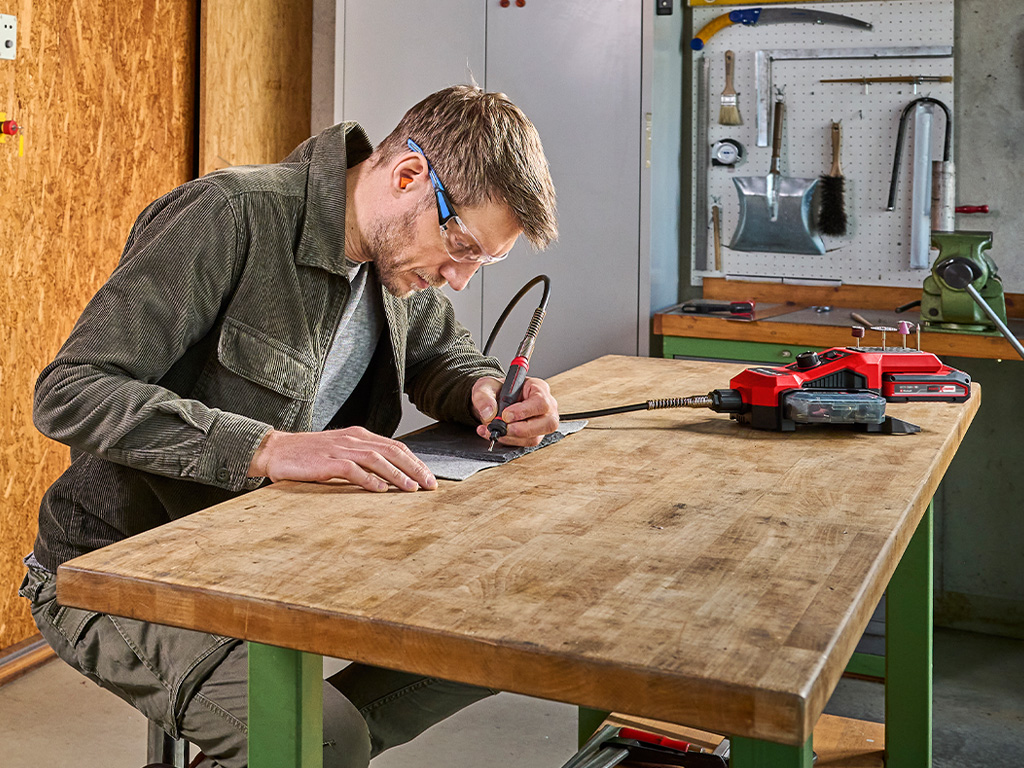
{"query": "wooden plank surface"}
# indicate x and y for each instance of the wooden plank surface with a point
(104, 92)
(255, 80)
(669, 564)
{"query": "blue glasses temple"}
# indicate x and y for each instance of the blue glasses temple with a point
(444, 210)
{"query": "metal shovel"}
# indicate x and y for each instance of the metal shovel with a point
(775, 210)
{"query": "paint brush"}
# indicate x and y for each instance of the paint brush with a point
(832, 216)
(729, 114)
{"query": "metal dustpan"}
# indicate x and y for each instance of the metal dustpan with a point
(775, 211)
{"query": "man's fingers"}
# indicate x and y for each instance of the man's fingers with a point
(355, 474)
(384, 469)
(353, 454)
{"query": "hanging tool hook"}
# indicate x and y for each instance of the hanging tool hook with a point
(900, 134)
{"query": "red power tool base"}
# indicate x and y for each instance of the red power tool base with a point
(840, 381)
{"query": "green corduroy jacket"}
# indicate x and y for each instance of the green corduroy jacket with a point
(213, 329)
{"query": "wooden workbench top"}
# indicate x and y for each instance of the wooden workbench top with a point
(670, 564)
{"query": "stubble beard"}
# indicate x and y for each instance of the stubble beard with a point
(387, 242)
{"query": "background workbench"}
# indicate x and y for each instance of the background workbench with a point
(670, 564)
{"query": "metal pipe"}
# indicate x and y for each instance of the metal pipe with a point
(946, 147)
(921, 195)
(973, 292)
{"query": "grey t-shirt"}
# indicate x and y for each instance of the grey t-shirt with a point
(354, 343)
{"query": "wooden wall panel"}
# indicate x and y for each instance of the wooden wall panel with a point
(256, 62)
(105, 91)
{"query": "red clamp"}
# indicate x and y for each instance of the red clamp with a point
(9, 128)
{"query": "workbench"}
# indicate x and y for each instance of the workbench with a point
(666, 564)
(815, 317)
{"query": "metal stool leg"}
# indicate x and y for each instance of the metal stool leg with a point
(162, 748)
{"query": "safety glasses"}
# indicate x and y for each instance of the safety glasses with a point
(460, 244)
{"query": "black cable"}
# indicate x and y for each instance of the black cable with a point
(696, 401)
(515, 300)
(602, 412)
(649, 405)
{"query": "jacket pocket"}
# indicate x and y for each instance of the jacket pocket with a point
(251, 354)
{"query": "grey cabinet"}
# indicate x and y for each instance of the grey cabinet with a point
(577, 70)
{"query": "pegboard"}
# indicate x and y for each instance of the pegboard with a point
(876, 249)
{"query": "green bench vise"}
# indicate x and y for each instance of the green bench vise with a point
(946, 304)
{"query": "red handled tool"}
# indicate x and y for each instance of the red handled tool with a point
(512, 388)
(613, 745)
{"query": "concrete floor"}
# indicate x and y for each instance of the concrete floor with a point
(52, 718)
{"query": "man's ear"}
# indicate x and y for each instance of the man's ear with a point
(408, 173)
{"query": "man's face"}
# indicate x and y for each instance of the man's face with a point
(409, 253)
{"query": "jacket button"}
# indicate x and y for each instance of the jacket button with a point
(223, 473)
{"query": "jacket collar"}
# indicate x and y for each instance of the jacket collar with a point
(328, 155)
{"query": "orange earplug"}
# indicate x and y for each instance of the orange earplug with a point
(404, 182)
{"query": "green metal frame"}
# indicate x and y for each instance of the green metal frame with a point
(286, 708)
(908, 653)
(755, 753)
(867, 664)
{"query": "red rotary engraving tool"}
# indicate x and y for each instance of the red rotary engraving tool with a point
(512, 388)
(841, 385)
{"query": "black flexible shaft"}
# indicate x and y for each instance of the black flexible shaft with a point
(696, 401)
(649, 405)
(515, 300)
(602, 412)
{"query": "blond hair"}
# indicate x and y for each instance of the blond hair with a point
(484, 149)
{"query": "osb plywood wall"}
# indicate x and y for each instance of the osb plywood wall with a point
(105, 91)
(255, 74)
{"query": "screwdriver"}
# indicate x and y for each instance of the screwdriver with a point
(512, 388)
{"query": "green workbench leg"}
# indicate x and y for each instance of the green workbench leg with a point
(589, 721)
(908, 654)
(754, 753)
(286, 708)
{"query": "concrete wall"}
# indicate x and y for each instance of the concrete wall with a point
(990, 126)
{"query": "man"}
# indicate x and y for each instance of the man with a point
(262, 324)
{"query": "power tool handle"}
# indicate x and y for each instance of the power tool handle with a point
(511, 392)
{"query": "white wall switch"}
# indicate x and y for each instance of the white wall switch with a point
(8, 36)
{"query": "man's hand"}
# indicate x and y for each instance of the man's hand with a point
(528, 420)
(354, 454)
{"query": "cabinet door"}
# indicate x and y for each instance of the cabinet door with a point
(575, 70)
(399, 51)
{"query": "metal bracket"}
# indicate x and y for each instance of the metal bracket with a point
(8, 36)
(763, 68)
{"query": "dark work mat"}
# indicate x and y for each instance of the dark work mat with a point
(454, 451)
